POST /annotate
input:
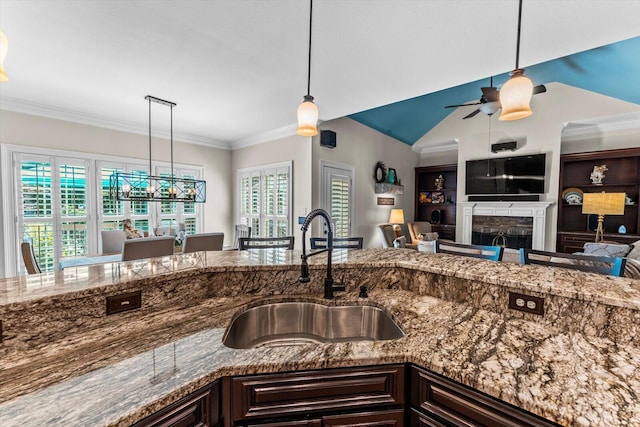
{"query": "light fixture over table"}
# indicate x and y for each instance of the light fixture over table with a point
(516, 93)
(308, 111)
(127, 186)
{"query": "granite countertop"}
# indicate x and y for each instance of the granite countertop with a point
(560, 367)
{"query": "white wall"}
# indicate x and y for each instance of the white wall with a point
(539, 133)
(35, 131)
(292, 148)
(362, 147)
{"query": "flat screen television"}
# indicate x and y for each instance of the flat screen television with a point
(506, 175)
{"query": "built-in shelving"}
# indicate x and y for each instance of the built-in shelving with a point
(622, 176)
(428, 198)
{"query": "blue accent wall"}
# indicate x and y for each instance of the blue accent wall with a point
(612, 70)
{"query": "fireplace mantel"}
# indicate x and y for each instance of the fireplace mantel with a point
(536, 210)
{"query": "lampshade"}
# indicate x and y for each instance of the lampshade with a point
(396, 217)
(515, 96)
(307, 117)
(603, 203)
(4, 47)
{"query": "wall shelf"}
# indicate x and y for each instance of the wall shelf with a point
(386, 188)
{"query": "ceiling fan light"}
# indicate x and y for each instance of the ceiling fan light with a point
(307, 117)
(515, 96)
(489, 108)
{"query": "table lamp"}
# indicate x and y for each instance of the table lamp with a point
(396, 218)
(603, 204)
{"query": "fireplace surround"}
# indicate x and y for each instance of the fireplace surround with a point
(537, 211)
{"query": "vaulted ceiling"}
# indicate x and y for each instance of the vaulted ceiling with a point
(237, 68)
(612, 70)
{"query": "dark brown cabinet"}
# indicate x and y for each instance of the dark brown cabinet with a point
(622, 176)
(199, 409)
(439, 402)
(433, 205)
(350, 396)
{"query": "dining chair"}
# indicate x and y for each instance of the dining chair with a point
(29, 258)
(164, 231)
(147, 248)
(613, 266)
(338, 242)
(202, 242)
(112, 241)
(266, 242)
(242, 230)
(493, 253)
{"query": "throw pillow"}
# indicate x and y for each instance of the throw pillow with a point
(429, 236)
(635, 251)
(606, 249)
(400, 242)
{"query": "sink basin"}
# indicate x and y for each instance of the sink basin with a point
(292, 323)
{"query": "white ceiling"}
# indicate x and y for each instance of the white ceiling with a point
(237, 68)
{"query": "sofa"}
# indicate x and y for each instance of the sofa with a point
(614, 249)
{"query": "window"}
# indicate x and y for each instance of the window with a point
(336, 195)
(61, 203)
(265, 199)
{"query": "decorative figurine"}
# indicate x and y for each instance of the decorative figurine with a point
(439, 182)
(598, 174)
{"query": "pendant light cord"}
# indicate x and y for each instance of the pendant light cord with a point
(518, 39)
(309, 63)
(149, 136)
(173, 182)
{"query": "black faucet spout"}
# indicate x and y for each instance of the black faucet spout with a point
(329, 286)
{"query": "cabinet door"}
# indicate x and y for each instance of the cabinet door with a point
(417, 419)
(392, 418)
(457, 405)
(299, 423)
(301, 393)
(199, 409)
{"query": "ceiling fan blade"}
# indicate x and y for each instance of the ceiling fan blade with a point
(539, 89)
(468, 116)
(461, 105)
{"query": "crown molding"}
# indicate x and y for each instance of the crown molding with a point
(437, 147)
(580, 129)
(36, 109)
(261, 138)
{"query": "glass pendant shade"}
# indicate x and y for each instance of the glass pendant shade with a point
(307, 117)
(4, 46)
(515, 96)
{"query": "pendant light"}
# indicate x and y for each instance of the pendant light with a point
(4, 46)
(136, 186)
(307, 111)
(515, 94)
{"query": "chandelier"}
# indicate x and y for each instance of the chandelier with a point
(138, 186)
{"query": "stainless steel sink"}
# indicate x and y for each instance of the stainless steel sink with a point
(292, 323)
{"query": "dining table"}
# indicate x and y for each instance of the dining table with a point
(88, 260)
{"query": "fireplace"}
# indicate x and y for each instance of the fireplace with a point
(509, 231)
(526, 221)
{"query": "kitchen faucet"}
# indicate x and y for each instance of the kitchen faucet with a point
(329, 286)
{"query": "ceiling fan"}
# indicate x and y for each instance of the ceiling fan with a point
(489, 102)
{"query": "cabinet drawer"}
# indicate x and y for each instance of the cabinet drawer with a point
(319, 391)
(394, 418)
(454, 403)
